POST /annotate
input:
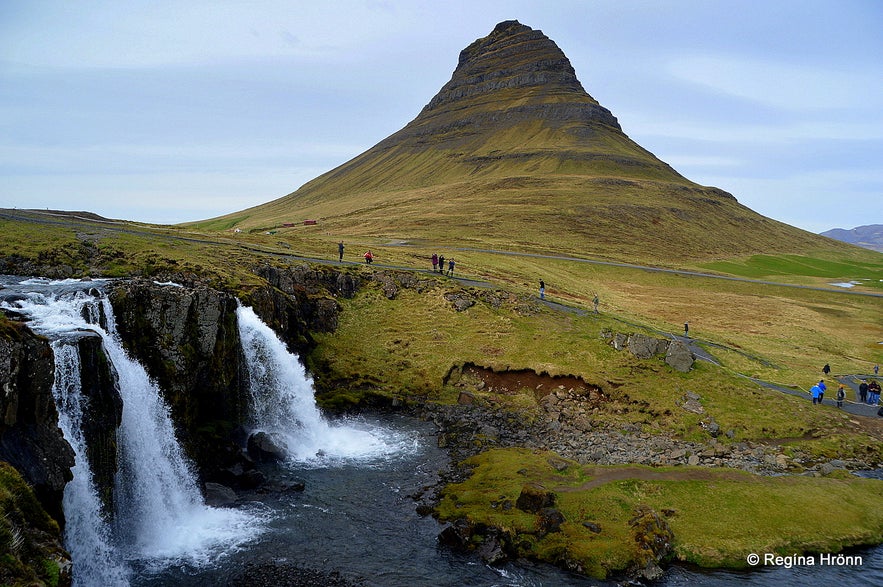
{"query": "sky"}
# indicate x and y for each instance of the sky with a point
(167, 111)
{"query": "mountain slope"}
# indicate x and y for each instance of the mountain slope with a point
(513, 152)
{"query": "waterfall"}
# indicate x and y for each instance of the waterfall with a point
(283, 404)
(160, 518)
(87, 535)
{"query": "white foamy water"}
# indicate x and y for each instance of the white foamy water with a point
(284, 405)
(160, 518)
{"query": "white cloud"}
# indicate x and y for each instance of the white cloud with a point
(791, 86)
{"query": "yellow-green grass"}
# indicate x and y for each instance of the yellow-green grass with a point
(405, 347)
(717, 516)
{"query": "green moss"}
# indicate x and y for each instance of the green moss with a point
(718, 516)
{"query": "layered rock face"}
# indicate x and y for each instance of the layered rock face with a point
(522, 63)
(30, 439)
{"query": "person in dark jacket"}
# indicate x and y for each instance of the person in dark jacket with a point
(863, 392)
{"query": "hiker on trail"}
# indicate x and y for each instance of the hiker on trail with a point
(686, 329)
(823, 388)
(542, 290)
(874, 392)
(816, 394)
(826, 369)
(876, 370)
(841, 395)
(369, 257)
(450, 267)
(340, 250)
(863, 392)
(434, 262)
(595, 302)
(441, 263)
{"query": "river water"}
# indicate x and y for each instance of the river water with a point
(356, 515)
(359, 518)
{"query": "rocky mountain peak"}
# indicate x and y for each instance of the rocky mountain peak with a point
(516, 65)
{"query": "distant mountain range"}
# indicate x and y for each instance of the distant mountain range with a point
(869, 237)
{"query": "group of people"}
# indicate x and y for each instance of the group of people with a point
(438, 265)
(869, 393)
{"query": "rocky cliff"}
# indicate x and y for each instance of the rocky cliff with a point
(30, 439)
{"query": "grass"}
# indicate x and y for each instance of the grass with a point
(717, 516)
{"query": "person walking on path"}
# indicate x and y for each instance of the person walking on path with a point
(841, 395)
(816, 394)
(340, 251)
(873, 392)
(441, 263)
(823, 389)
(876, 370)
(542, 290)
(595, 302)
(434, 262)
(863, 392)
(826, 369)
(369, 257)
(686, 329)
(450, 267)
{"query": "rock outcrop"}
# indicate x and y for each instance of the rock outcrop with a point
(188, 340)
(30, 439)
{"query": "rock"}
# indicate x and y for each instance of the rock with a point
(267, 447)
(549, 520)
(693, 460)
(593, 527)
(30, 439)
(218, 495)
(534, 497)
(645, 347)
(679, 357)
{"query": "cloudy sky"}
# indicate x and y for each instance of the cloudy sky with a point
(168, 111)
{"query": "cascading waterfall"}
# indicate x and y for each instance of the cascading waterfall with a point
(283, 404)
(160, 518)
(87, 535)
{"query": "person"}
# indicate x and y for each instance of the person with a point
(863, 392)
(826, 369)
(686, 329)
(874, 392)
(595, 302)
(816, 392)
(876, 370)
(340, 250)
(434, 262)
(441, 263)
(369, 257)
(841, 395)
(823, 388)
(450, 267)
(542, 290)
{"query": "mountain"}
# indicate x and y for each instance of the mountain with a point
(869, 236)
(513, 153)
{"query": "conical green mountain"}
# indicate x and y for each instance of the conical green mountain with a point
(513, 153)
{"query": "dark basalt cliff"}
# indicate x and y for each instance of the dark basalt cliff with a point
(30, 439)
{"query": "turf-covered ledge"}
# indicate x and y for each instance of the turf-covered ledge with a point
(716, 517)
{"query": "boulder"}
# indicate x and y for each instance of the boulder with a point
(266, 447)
(679, 357)
(534, 497)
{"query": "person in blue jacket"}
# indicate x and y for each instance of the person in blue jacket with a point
(816, 394)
